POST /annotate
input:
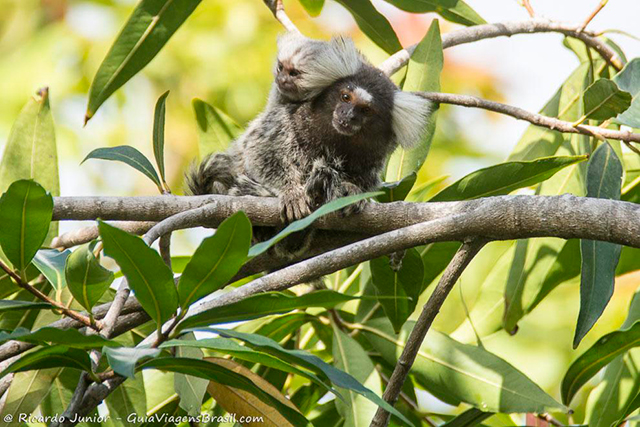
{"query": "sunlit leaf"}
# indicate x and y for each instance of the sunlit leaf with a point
(452, 10)
(603, 100)
(398, 190)
(148, 276)
(31, 152)
(148, 29)
(66, 337)
(51, 357)
(215, 129)
(423, 74)
(10, 305)
(130, 156)
(87, 279)
(25, 214)
(51, 262)
(264, 304)
(158, 133)
(313, 7)
(27, 390)
(629, 80)
(190, 389)
(217, 260)
(504, 178)
(123, 359)
(599, 259)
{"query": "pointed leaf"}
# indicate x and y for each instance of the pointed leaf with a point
(398, 190)
(51, 262)
(216, 372)
(373, 24)
(231, 348)
(504, 178)
(455, 11)
(603, 100)
(71, 338)
(31, 151)
(123, 359)
(351, 358)
(215, 129)
(190, 389)
(599, 259)
(398, 291)
(158, 133)
(51, 357)
(129, 155)
(10, 305)
(217, 260)
(148, 29)
(303, 223)
(308, 361)
(423, 74)
(87, 279)
(27, 390)
(629, 80)
(470, 417)
(25, 214)
(148, 276)
(264, 304)
(463, 373)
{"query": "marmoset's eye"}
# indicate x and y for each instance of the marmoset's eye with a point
(294, 73)
(346, 97)
(279, 67)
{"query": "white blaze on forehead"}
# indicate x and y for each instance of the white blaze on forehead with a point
(363, 94)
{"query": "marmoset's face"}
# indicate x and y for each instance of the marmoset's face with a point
(288, 80)
(353, 110)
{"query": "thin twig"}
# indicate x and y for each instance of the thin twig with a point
(43, 297)
(165, 248)
(460, 261)
(87, 234)
(533, 118)
(593, 14)
(549, 419)
(277, 8)
(487, 31)
(527, 5)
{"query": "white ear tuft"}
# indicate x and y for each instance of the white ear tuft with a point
(409, 118)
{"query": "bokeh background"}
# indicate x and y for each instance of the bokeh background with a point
(223, 55)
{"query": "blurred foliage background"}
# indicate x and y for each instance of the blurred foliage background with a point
(223, 55)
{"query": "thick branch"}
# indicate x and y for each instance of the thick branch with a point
(451, 275)
(489, 31)
(536, 119)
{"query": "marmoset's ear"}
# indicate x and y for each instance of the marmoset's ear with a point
(409, 118)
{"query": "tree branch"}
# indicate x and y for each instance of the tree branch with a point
(277, 8)
(449, 278)
(87, 234)
(536, 119)
(508, 29)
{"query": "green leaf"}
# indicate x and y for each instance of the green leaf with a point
(224, 376)
(452, 10)
(597, 357)
(66, 337)
(190, 389)
(217, 260)
(51, 262)
(158, 133)
(11, 305)
(231, 348)
(505, 177)
(373, 24)
(398, 190)
(264, 304)
(31, 151)
(215, 129)
(423, 74)
(398, 292)
(603, 100)
(27, 390)
(123, 359)
(60, 393)
(25, 214)
(51, 357)
(351, 358)
(308, 361)
(470, 417)
(128, 398)
(463, 373)
(129, 155)
(629, 80)
(87, 279)
(148, 29)
(303, 223)
(313, 7)
(148, 276)
(599, 259)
